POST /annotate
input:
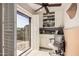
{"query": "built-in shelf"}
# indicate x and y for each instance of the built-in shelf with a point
(49, 20)
(49, 30)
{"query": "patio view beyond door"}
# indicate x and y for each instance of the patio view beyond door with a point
(23, 33)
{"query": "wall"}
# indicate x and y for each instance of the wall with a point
(72, 42)
(58, 15)
(71, 35)
(35, 32)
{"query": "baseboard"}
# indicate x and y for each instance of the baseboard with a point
(45, 48)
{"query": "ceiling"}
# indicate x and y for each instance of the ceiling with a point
(32, 7)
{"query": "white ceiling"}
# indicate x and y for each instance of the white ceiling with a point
(36, 6)
(32, 7)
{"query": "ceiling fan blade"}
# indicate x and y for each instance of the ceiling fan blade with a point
(55, 5)
(39, 9)
(47, 11)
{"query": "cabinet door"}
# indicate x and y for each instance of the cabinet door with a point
(45, 40)
(9, 29)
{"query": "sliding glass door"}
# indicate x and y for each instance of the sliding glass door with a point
(23, 33)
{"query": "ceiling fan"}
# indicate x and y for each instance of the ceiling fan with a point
(46, 5)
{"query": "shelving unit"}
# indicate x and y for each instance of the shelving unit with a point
(49, 20)
(48, 23)
(49, 30)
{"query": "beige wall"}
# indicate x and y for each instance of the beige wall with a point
(72, 41)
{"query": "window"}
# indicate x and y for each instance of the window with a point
(23, 33)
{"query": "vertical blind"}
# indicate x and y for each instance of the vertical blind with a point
(9, 29)
(0, 29)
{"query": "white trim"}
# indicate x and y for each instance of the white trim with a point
(19, 8)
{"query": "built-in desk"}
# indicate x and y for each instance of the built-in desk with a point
(47, 33)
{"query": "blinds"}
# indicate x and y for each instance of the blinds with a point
(9, 29)
(0, 29)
